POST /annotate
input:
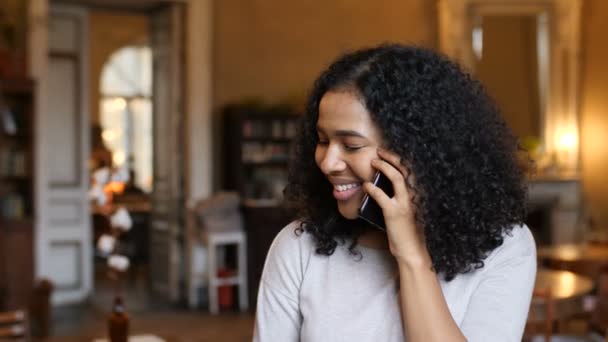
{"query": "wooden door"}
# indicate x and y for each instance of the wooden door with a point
(168, 204)
(63, 236)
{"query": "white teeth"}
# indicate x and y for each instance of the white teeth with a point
(344, 187)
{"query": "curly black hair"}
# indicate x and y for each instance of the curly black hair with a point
(469, 187)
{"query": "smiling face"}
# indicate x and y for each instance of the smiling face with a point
(348, 141)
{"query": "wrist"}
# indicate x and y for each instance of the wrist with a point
(414, 262)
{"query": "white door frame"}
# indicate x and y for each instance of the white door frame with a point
(198, 104)
(63, 227)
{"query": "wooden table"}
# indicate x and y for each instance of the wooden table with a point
(109, 209)
(584, 258)
(568, 290)
(139, 338)
(137, 238)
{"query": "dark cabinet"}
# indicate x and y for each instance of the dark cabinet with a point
(262, 225)
(257, 146)
(17, 200)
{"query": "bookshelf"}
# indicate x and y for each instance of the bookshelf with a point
(258, 143)
(17, 200)
(257, 147)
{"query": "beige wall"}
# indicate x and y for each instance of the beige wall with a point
(108, 32)
(273, 49)
(594, 109)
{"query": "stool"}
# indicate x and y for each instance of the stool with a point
(213, 240)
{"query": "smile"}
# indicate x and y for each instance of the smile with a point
(344, 187)
(343, 192)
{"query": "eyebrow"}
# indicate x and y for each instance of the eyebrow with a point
(344, 133)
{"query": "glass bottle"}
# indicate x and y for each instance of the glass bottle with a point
(118, 323)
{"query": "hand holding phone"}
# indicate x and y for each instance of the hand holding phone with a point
(370, 211)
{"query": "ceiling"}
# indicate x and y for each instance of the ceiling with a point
(128, 5)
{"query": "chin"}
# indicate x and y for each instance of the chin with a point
(349, 212)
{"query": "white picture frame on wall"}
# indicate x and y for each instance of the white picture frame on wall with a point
(560, 118)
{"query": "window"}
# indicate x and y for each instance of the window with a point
(126, 111)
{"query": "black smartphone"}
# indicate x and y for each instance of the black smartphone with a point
(370, 211)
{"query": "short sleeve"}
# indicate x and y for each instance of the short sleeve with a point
(498, 308)
(278, 316)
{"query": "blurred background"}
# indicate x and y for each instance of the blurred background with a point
(134, 128)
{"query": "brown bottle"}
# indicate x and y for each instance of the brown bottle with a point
(118, 323)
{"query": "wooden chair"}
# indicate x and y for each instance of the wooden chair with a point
(599, 316)
(14, 326)
(544, 324)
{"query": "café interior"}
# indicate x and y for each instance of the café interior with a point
(144, 147)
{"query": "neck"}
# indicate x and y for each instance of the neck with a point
(374, 238)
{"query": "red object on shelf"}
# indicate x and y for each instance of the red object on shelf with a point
(12, 63)
(225, 296)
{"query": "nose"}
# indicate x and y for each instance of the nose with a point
(329, 159)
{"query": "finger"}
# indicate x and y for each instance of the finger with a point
(394, 175)
(377, 195)
(394, 159)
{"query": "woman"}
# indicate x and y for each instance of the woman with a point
(456, 262)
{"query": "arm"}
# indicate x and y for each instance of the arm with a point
(278, 315)
(498, 308)
(425, 313)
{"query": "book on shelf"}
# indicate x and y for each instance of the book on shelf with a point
(277, 129)
(9, 125)
(255, 152)
(268, 129)
(266, 184)
(13, 119)
(290, 129)
(12, 206)
(12, 162)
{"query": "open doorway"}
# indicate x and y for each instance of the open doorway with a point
(138, 85)
(70, 100)
(121, 151)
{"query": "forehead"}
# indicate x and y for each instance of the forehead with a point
(342, 110)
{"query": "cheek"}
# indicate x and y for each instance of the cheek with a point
(362, 166)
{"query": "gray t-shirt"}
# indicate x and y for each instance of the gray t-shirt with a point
(304, 296)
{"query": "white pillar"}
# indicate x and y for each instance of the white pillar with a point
(199, 177)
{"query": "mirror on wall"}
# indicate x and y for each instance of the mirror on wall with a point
(511, 58)
(525, 52)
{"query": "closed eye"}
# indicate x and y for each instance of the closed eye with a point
(351, 148)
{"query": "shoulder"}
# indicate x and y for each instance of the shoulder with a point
(291, 249)
(518, 243)
(500, 292)
(291, 238)
(519, 240)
